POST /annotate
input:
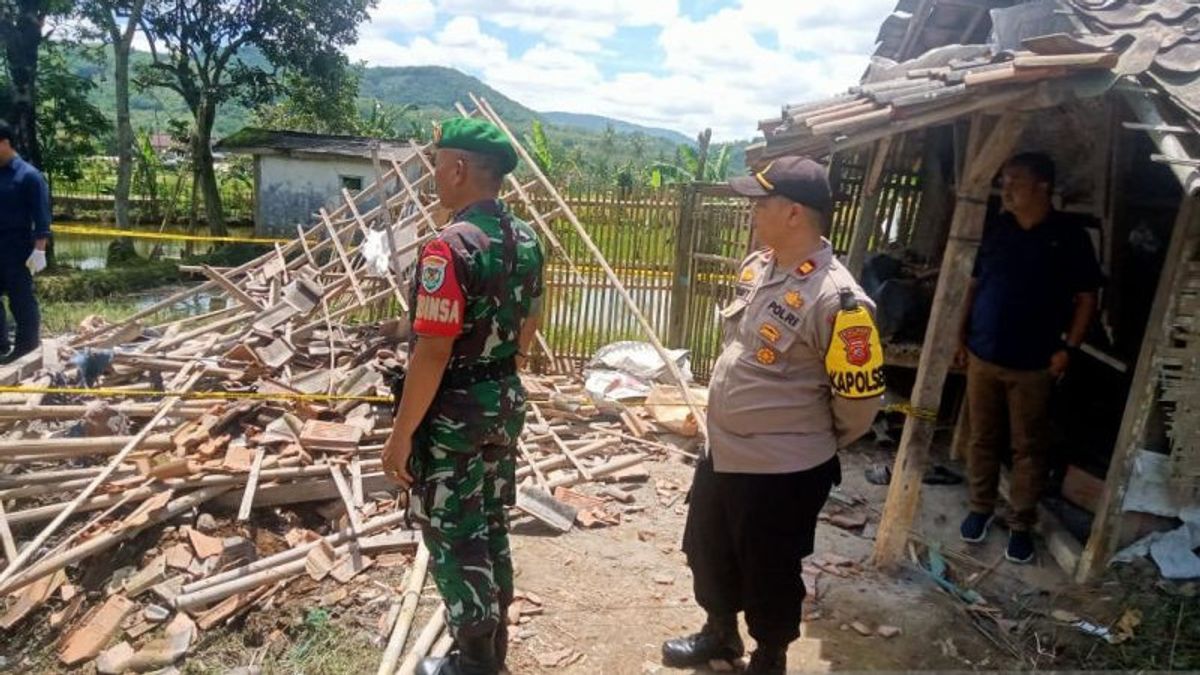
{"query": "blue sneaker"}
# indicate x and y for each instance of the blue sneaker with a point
(974, 528)
(1020, 547)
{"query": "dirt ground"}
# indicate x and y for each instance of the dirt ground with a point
(611, 595)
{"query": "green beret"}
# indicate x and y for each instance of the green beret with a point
(476, 135)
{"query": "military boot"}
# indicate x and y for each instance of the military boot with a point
(718, 640)
(475, 656)
(768, 660)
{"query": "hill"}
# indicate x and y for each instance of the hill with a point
(598, 123)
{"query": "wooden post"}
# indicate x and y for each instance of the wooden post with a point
(681, 284)
(1106, 527)
(986, 154)
(868, 208)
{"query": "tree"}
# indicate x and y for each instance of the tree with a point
(214, 51)
(69, 125)
(21, 24)
(539, 146)
(319, 107)
(693, 165)
(107, 16)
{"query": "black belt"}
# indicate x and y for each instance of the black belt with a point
(465, 376)
(458, 378)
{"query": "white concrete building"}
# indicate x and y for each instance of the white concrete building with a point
(297, 173)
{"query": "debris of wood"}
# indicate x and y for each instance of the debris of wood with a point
(101, 626)
(294, 410)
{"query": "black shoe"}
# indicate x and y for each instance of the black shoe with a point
(475, 656)
(1020, 547)
(16, 353)
(718, 640)
(767, 660)
(974, 528)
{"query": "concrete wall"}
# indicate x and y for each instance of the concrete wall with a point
(288, 190)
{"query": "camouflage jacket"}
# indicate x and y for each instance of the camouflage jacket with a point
(477, 283)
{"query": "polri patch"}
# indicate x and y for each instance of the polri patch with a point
(793, 299)
(782, 313)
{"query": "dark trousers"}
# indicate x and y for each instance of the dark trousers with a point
(1014, 405)
(16, 283)
(745, 538)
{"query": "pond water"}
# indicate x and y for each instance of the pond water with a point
(90, 252)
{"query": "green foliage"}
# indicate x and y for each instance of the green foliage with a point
(69, 123)
(315, 106)
(87, 285)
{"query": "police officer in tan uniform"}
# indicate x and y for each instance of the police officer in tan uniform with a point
(800, 376)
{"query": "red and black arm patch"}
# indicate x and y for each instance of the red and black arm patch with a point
(441, 303)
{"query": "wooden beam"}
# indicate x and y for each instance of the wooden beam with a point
(164, 409)
(868, 207)
(941, 335)
(1106, 527)
(232, 288)
(1169, 143)
(341, 251)
(618, 285)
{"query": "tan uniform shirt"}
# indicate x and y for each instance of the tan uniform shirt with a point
(771, 407)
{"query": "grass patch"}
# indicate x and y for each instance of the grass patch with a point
(1168, 637)
(73, 286)
(64, 317)
(317, 643)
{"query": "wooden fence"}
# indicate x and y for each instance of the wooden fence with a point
(677, 251)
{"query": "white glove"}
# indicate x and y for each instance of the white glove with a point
(36, 262)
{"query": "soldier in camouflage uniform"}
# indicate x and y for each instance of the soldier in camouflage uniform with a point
(475, 304)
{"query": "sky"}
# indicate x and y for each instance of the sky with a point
(685, 65)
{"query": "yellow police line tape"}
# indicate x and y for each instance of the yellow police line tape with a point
(220, 395)
(82, 230)
(908, 409)
(905, 408)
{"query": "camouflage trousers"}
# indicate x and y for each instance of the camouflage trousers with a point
(460, 500)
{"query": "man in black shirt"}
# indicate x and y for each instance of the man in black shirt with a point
(1033, 294)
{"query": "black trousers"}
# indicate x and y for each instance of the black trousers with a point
(745, 538)
(17, 283)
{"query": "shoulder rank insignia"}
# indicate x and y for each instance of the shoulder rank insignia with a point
(770, 332)
(747, 275)
(806, 268)
(793, 299)
(854, 359)
(766, 356)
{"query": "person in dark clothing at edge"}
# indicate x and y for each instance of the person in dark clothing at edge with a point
(24, 232)
(800, 375)
(1033, 295)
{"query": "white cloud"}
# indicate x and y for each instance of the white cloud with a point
(401, 15)
(460, 44)
(722, 71)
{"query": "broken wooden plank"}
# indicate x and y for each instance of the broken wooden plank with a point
(330, 436)
(89, 639)
(251, 485)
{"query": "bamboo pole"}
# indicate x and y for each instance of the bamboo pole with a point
(106, 540)
(164, 409)
(336, 539)
(408, 610)
(486, 109)
(429, 635)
